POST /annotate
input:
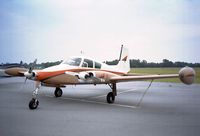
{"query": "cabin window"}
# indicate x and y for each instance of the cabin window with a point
(73, 61)
(97, 65)
(87, 63)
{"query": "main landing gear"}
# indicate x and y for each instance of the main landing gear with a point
(111, 95)
(58, 92)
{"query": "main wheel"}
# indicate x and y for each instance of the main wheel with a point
(58, 92)
(110, 97)
(33, 104)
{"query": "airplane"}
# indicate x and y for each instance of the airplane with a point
(78, 70)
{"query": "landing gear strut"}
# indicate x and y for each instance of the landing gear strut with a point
(33, 104)
(111, 95)
(58, 92)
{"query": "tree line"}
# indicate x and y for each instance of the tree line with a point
(134, 63)
(41, 65)
(165, 63)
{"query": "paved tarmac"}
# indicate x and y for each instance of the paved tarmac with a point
(168, 109)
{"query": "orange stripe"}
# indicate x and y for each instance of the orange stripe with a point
(42, 75)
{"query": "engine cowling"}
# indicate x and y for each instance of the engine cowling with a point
(86, 75)
(187, 75)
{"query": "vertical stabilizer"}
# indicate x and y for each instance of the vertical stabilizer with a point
(124, 63)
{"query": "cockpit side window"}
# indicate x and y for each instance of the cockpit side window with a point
(73, 61)
(87, 63)
(97, 65)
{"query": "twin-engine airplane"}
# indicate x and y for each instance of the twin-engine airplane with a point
(83, 70)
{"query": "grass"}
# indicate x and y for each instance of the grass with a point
(165, 71)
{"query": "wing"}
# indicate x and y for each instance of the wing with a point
(143, 77)
(186, 75)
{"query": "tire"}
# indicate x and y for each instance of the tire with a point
(58, 92)
(110, 97)
(33, 104)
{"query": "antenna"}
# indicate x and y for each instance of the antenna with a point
(121, 52)
(82, 53)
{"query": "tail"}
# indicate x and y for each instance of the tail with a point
(124, 62)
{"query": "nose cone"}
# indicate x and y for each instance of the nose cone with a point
(187, 75)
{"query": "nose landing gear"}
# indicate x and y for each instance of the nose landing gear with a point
(33, 104)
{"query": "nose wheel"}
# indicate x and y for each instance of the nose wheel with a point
(58, 92)
(33, 104)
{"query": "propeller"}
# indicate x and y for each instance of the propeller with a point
(32, 66)
(30, 74)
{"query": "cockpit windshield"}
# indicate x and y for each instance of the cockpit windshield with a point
(72, 61)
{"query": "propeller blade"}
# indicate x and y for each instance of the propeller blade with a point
(32, 66)
(22, 86)
(25, 80)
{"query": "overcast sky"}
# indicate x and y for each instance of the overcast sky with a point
(52, 30)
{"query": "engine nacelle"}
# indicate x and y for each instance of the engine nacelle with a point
(86, 75)
(187, 75)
